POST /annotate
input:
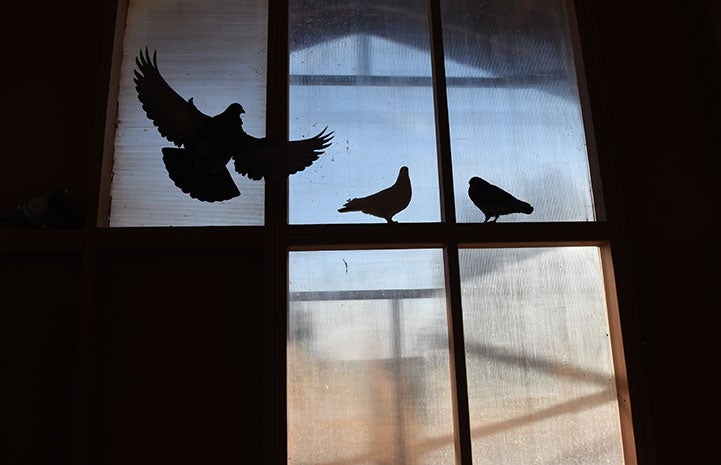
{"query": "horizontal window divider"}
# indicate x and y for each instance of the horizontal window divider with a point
(532, 234)
(310, 237)
(365, 236)
(429, 235)
(41, 240)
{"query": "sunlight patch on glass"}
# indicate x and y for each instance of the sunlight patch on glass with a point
(368, 362)
(541, 385)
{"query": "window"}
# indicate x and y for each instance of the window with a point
(213, 52)
(369, 364)
(443, 338)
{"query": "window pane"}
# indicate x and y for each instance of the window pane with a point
(368, 364)
(215, 52)
(363, 70)
(540, 376)
(514, 108)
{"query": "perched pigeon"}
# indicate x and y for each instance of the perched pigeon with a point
(52, 210)
(494, 201)
(206, 144)
(386, 203)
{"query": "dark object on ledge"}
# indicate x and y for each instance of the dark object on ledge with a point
(206, 144)
(386, 203)
(52, 210)
(494, 201)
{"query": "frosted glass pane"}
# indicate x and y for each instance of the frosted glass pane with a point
(362, 69)
(541, 382)
(368, 363)
(215, 52)
(515, 115)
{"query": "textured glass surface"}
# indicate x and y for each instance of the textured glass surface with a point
(368, 364)
(540, 376)
(362, 69)
(515, 115)
(215, 52)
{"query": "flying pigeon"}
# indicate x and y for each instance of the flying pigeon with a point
(205, 144)
(494, 201)
(386, 203)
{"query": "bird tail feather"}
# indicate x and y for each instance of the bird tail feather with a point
(204, 186)
(352, 205)
(525, 207)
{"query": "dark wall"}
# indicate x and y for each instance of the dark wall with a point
(654, 82)
(653, 71)
(181, 371)
(38, 307)
(52, 63)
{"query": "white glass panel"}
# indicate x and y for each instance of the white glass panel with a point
(515, 116)
(368, 363)
(540, 376)
(215, 52)
(362, 69)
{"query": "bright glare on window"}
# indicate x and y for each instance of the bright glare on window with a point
(541, 384)
(368, 361)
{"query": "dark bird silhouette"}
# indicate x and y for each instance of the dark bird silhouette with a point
(494, 201)
(386, 203)
(52, 210)
(206, 144)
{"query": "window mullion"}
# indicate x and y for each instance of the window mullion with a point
(275, 447)
(456, 344)
(443, 138)
(459, 383)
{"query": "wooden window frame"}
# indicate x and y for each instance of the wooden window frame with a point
(277, 238)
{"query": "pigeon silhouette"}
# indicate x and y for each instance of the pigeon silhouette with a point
(205, 144)
(494, 201)
(386, 203)
(52, 210)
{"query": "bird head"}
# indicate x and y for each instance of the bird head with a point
(404, 171)
(475, 181)
(235, 109)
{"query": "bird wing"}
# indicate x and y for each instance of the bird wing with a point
(504, 203)
(499, 196)
(261, 158)
(390, 200)
(178, 120)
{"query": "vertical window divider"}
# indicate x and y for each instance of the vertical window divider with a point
(275, 332)
(459, 382)
(618, 355)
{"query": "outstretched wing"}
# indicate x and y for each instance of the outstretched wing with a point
(178, 120)
(261, 158)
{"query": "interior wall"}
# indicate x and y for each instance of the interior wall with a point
(181, 357)
(38, 319)
(52, 68)
(653, 79)
(654, 83)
